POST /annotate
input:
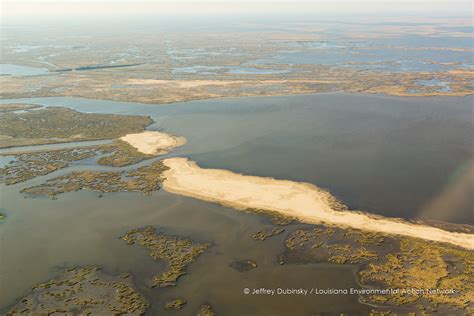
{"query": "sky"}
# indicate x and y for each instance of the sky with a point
(19, 8)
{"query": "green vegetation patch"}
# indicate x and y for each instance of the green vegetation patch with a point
(275, 217)
(177, 252)
(83, 291)
(205, 310)
(322, 244)
(264, 234)
(121, 154)
(12, 107)
(175, 304)
(424, 265)
(243, 265)
(386, 262)
(56, 125)
(144, 179)
(29, 165)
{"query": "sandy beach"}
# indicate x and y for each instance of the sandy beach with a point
(152, 142)
(302, 200)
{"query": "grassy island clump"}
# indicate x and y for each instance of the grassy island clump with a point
(264, 234)
(144, 179)
(29, 165)
(443, 273)
(58, 125)
(334, 245)
(243, 265)
(205, 310)
(83, 291)
(177, 252)
(121, 154)
(176, 304)
(275, 217)
(446, 270)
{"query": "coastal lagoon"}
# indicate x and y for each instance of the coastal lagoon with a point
(386, 155)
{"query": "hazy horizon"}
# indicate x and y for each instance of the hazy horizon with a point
(21, 8)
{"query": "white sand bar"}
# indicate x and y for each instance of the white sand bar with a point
(302, 200)
(151, 142)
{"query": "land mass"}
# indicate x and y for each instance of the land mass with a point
(304, 201)
(60, 125)
(152, 142)
(209, 64)
(128, 150)
(85, 291)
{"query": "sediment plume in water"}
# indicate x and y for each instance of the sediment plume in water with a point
(305, 201)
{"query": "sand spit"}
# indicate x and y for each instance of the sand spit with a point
(303, 200)
(151, 142)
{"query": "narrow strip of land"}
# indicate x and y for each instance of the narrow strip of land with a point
(302, 200)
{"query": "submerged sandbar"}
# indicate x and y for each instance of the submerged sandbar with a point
(303, 200)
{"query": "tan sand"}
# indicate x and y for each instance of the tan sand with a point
(302, 200)
(151, 142)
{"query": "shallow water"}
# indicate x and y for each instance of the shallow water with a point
(89, 228)
(386, 155)
(436, 83)
(381, 154)
(17, 70)
(384, 55)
